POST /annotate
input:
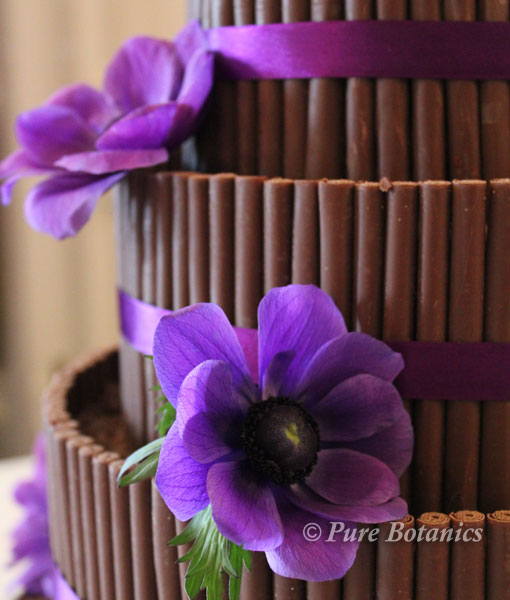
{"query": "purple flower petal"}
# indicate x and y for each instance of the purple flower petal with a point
(351, 478)
(198, 81)
(190, 40)
(243, 506)
(94, 107)
(108, 161)
(144, 71)
(393, 446)
(16, 166)
(274, 376)
(148, 127)
(61, 205)
(190, 336)
(303, 497)
(209, 413)
(249, 340)
(357, 408)
(181, 481)
(49, 132)
(342, 358)
(318, 560)
(298, 317)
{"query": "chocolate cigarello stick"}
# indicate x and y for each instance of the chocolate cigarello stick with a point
(400, 268)
(51, 476)
(162, 188)
(193, 9)
(392, 110)
(290, 589)
(325, 153)
(198, 227)
(431, 326)
(495, 443)
(257, 584)
(149, 272)
(205, 13)
(369, 228)
(495, 107)
(336, 200)
(467, 564)
(467, 274)
(429, 141)
(359, 581)
(121, 534)
(141, 540)
(498, 553)
(295, 101)
(270, 101)
(432, 557)
(221, 242)
(88, 523)
(244, 14)
(359, 110)
(73, 473)
(180, 241)
(278, 199)
(395, 558)
(63, 503)
(104, 522)
(248, 249)
(165, 556)
(305, 244)
(463, 109)
(324, 590)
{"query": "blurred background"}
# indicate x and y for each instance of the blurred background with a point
(57, 299)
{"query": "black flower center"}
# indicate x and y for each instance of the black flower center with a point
(281, 440)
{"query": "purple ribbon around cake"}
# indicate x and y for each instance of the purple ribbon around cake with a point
(400, 49)
(433, 370)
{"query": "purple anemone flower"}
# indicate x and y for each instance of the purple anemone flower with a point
(323, 436)
(31, 537)
(87, 140)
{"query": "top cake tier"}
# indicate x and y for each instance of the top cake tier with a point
(359, 129)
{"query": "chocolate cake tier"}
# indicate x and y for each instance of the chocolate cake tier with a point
(403, 261)
(111, 543)
(361, 129)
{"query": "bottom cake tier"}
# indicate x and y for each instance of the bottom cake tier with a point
(112, 544)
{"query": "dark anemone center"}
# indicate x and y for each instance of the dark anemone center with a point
(281, 440)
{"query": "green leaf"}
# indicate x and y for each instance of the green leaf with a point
(212, 559)
(167, 417)
(144, 460)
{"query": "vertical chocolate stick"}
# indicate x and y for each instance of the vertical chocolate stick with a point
(325, 149)
(336, 208)
(467, 565)
(495, 442)
(395, 560)
(257, 583)
(498, 555)
(244, 14)
(165, 556)
(429, 140)
(205, 13)
(270, 101)
(495, 106)
(295, 101)
(359, 109)
(305, 238)
(278, 197)
(248, 249)
(161, 188)
(198, 228)
(463, 109)
(467, 274)
(121, 534)
(393, 110)
(432, 557)
(431, 326)
(399, 287)
(180, 241)
(221, 242)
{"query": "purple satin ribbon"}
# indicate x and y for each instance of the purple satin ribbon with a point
(61, 589)
(400, 49)
(433, 370)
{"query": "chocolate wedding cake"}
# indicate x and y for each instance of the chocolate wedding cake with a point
(392, 196)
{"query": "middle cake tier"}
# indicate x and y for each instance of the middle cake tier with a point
(402, 261)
